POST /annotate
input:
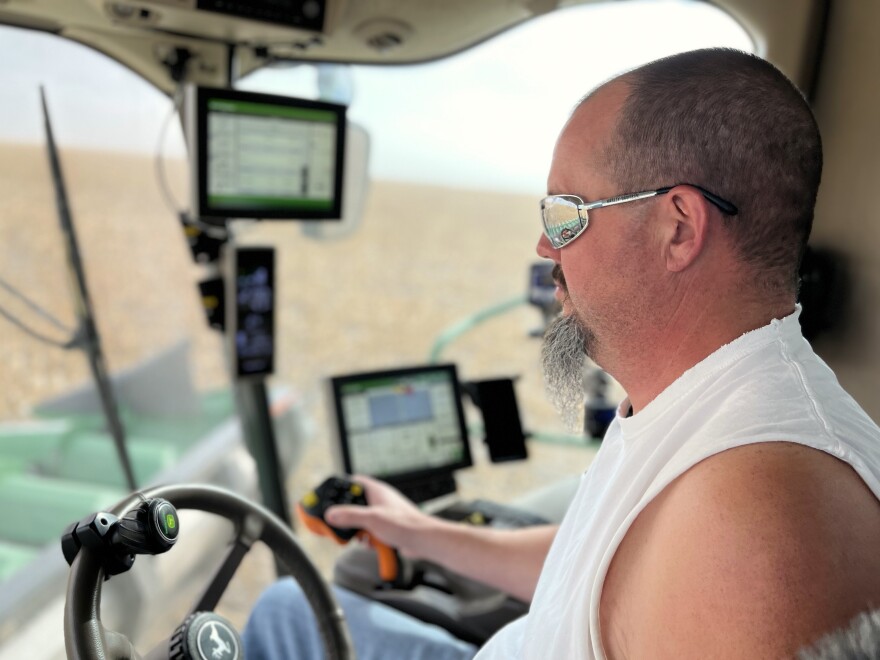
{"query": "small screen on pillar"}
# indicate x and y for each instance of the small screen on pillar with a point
(253, 312)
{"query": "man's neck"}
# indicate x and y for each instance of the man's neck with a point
(663, 353)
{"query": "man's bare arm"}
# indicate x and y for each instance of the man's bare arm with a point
(755, 553)
(509, 560)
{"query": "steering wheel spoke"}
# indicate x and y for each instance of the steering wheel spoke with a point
(249, 532)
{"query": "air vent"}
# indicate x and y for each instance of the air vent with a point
(385, 41)
(384, 34)
(123, 12)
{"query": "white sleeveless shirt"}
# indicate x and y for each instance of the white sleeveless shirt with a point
(766, 386)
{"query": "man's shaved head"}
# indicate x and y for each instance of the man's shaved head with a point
(734, 124)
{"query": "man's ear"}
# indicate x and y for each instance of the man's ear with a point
(686, 227)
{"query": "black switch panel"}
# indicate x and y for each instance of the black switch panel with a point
(302, 14)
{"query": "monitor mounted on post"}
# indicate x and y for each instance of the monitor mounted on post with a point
(264, 156)
(405, 426)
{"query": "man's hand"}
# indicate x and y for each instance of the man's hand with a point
(389, 518)
(509, 560)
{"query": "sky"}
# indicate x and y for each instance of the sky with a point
(486, 118)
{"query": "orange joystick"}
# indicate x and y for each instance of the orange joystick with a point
(337, 490)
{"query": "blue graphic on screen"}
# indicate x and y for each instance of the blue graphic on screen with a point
(392, 409)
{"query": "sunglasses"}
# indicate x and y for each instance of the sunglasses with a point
(565, 217)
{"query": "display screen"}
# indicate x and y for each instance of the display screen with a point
(261, 156)
(254, 311)
(401, 422)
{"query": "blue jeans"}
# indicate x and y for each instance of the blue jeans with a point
(282, 627)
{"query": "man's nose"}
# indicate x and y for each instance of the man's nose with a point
(546, 250)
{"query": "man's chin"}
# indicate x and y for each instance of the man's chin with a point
(570, 314)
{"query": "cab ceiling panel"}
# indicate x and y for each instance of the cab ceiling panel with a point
(359, 31)
(141, 33)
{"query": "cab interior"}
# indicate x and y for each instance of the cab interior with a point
(431, 263)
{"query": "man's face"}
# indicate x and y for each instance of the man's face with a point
(601, 275)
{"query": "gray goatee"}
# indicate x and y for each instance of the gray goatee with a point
(563, 355)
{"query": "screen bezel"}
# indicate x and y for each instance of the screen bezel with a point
(198, 100)
(338, 382)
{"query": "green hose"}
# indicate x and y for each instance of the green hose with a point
(454, 331)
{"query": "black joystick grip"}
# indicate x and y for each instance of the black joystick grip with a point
(150, 529)
(334, 490)
(338, 490)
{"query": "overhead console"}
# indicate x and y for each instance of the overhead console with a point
(229, 20)
(227, 39)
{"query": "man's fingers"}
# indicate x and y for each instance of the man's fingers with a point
(372, 485)
(347, 515)
(364, 479)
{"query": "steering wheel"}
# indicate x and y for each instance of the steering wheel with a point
(85, 638)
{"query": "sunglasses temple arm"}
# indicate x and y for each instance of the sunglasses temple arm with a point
(726, 207)
(623, 199)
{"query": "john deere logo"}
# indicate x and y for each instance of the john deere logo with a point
(166, 521)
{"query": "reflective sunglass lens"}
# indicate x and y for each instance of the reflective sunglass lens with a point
(562, 222)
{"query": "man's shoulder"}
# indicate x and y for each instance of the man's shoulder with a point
(764, 546)
(774, 491)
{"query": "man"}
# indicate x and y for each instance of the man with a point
(733, 508)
